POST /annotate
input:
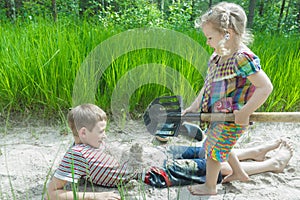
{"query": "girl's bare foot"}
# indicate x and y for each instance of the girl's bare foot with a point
(282, 156)
(262, 150)
(202, 190)
(236, 177)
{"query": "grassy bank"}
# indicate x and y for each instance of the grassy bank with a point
(39, 62)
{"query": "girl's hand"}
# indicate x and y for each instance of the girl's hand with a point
(195, 106)
(189, 109)
(241, 118)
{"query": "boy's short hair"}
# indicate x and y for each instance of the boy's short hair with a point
(85, 115)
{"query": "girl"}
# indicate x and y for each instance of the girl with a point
(234, 83)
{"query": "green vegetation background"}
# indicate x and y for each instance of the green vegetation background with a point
(40, 57)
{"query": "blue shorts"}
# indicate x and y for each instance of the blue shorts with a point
(188, 162)
(185, 165)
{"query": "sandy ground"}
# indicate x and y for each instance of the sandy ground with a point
(30, 153)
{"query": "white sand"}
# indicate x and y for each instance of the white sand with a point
(29, 154)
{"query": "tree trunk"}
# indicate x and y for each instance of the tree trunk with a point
(83, 5)
(252, 4)
(261, 8)
(11, 9)
(281, 13)
(287, 11)
(210, 3)
(54, 10)
(298, 15)
(162, 5)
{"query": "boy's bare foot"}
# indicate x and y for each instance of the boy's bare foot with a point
(236, 177)
(202, 190)
(262, 150)
(282, 156)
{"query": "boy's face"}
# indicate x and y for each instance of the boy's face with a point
(96, 137)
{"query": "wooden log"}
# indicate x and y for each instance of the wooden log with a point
(293, 117)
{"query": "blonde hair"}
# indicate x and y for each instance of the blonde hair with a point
(224, 16)
(85, 115)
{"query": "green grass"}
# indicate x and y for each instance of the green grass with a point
(280, 58)
(39, 62)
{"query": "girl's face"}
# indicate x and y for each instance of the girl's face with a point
(212, 35)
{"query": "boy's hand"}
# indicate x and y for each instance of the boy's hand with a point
(241, 118)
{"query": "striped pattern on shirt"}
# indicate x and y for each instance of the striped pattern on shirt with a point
(93, 164)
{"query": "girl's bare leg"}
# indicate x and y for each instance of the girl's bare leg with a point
(238, 173)
(210, 186)
(257, 153)
(275, 164)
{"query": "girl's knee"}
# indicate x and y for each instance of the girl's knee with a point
(232, 154)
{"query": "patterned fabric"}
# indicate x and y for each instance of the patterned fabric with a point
(84, 161)
(186, 166)
(226, 89)
(229, 79)
(221, 139)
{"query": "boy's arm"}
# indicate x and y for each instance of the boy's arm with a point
(263, 88)
(56, 192)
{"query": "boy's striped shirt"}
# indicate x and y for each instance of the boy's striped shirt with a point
(84, 161)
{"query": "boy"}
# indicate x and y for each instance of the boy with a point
(87, 158)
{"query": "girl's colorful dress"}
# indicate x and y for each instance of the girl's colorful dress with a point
(227, 89)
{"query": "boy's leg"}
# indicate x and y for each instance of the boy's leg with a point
(185, 152)
(257, 153)
(275, 164)
(238, 172)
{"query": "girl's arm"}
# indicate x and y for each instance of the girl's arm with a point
(56, 192)
(196, 104)
(263, 88)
